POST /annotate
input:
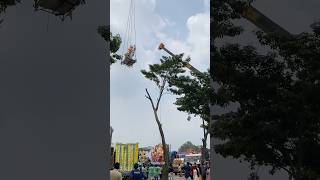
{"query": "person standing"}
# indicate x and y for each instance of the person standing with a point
(171, 174)
(151, 172)
(180, 170)
(144, 170)
(199, 171)
(208, 173)
(187, 171)
(204, 171)
(115, 174)
(137, 174)
(157, 173)
(195, 172)
(131, 50)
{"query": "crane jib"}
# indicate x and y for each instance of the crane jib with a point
(186, 64)
(262, 21)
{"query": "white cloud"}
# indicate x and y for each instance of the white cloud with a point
(149, 27)
(197, 44)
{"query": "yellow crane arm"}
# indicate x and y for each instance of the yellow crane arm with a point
(188, 65)
(263, 22)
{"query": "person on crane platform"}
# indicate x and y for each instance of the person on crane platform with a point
(131, 52)
(128, 57)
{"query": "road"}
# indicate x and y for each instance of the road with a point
(174, 178)
(178, 178)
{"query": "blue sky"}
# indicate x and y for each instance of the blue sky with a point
(179, 12)
(184, 27)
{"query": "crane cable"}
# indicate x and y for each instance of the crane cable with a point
(130, 29)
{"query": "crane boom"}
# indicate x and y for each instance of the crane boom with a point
(263, 22)
(186, 64)
(254, 16)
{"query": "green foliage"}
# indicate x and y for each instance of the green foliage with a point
(277, 123)
(168, 70)
(115, 42)
(161, 74)
(193, 94)
(6, 3)
(223, 12)
(194, 98)
(187, 147)
(193, 91)
(223, 15)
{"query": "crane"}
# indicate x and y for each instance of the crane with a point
(186, 64)
(263, 22)
(254, 16)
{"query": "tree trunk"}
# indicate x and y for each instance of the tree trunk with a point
(203, 151)
(165, 168)
(211, 156)
(204, 144)
(210, 124)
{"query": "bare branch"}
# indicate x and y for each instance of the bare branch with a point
(160, 94)
(286, 169)
(149, 97)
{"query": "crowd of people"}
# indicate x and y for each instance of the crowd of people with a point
(196, 171)
(154, 172)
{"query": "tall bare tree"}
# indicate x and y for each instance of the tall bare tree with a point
(160, 74)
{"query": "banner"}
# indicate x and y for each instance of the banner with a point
(127, 156)
(157, 154)
(116, 150)
(122, 157)
(130, 156)
(144, 155)
(136, 153)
